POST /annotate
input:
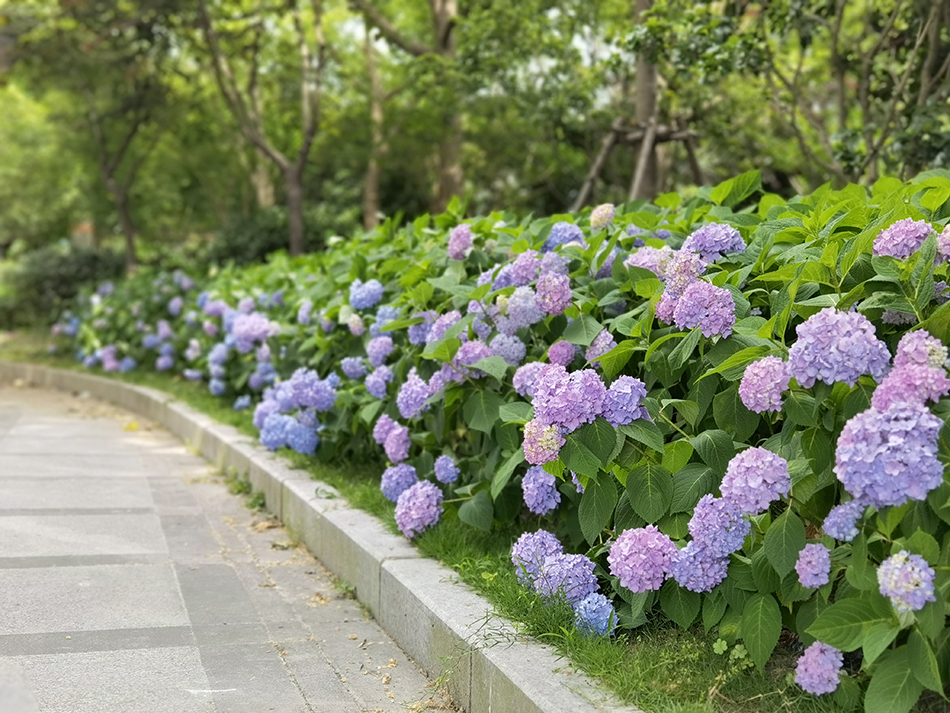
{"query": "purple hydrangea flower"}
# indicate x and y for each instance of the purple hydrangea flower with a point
(418, 333)
(242, 403)
(509, 348)
(540, 490)
(441, 325)
(418, 508)
(353, 367)
(650, 258)
(384, 315)
(763, 383)
(698, 568)
(356, 325)
(217, 387)
(602, 344)
(577, 483)
(837, 346)
(943, 245)
(209, 328)
(470, 353)
(542, 442)
(717, 525)
(265, 408)
(622, 403)
(568, 577)
(523, 310)
(814, 566)
(246, 305)
(174, 306)
(907, 580)
(413, 395)
(754, 478)
(302, 438)
(886, 458)
(384, 426)
(164, 363)
(708, 307)
(562, 353)
(445, 470)
(715, 240)
(189, 374)
(641, 558)
(903, 238)
(841, 522)
(525, 268)
(554, 292)
(560, 234)
(379, 349)
(460, 241)
(364, 295)
(911, 384)
(312, 391)
(525, 378)
(595, 616)
(567, 400)
(919, 347)
(818, 669)
(303, 312)
(529, 552)
(275, 429)
(396, 480)
(682, 270)
(396, 444)
(553, 263)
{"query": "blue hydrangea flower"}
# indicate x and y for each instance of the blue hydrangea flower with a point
(418, 333)
(698, 568)
(382, 429)
(397, 479)
(560, 234)
(818, 670)
(841, 522)
(379, 349)
(217, 387)
(814, 566)
(250, 329)
(717, 525)
(594, 615)
(529, 552)
(602, 344)
(302, 438)
(241, 403)
(567, 577)
(622, 403)
(460, 241)
(377, 380)
(641, 558)
(907, 580)
(523, 310)
(175, 305)
(384, 315)
(418, 508)
(715, 240)
(189, 374)
(275, 430)
(754, 478)
(311, 391)
(151, 341)
(837, 346)
(164, 363)
(525, 378)
(903, 238)
(303, 312)
(509, 348)
(365, 295)
(353, 367)
(540, 491)
(413, 395)
(567, 400)
(397, 444)
(445, 470)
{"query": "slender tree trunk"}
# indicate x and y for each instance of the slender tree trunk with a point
(262, 183)
(645, 96)
(451, 178)
(293, 177)
(128, 228)
(371, 184)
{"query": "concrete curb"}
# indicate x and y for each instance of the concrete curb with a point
(444, 626)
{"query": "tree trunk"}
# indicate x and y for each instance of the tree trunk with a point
(128, 229)
(376, 150)
(645, 96)
(451, 178)
(294, 181)
(262, 183)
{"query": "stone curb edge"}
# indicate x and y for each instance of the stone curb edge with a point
(447, 629)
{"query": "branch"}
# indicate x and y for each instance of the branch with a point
(389, 31)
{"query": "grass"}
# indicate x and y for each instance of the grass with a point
(657, 667)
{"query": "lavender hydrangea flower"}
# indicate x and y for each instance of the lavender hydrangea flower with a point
(523, 310)
(562, 353)
(907, 580)
(384, 315)
(379, 349)
(242, 403)
(682, 270)
(509, 348)
(246, 305)
(175, 305)
(567, 400)
(418, 508)
(818, 669)
(525, 378)
(377, 380)
(577, 483)
(164, 363)
(814, 565)
(529, 552)
(890, 457)
(754, 478)
(650, 258)
(303, 312)
(553, 263)
(540, 491)
(714, 240)
(274, 431)
(601, 216)
(419, 332)
(264, 409)
(568, 577)
(943, 245)
(441, 325)
(189, 374)
(911, 384)
(602, 344)
(708, 307)
(554, 292)
(445, 470)
(413, 395)
(460, 241)
(542, 442)
(622, 403)
(396, 444)
(595, 616)
(903, 238)
(841, 522)
(302, 438)
(717, 525)
(697, 568)
(641, 558)
(762, 384)
(525, 268)
(919, 347)
(396, 480)
(384, 426)
(837, 346)
(560, 234)
(471, 353)
(364, 295)
(353, 367)
(312, 391)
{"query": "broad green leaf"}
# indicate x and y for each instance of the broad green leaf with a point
(784, 539)
(860, 573)
(893, 687)
(517, 412)
(645, 432)
(650, 491)
(732, 416)
(613, 362)
(583, 330)
(923, 544)
(733, 367)
(478, 512)
(760, 627)
(735, 190)
(716, 449)
(684, 350)
(503, 474)
(714, 606)
(801, 409)
(599, 437)
(679, 604)
(578, 457)
(690, 483)
(676, 454)
(597, 505)
(481, 410)
(923, 661)
(493, 365)
(443, 350)
(846, 623)
(876, 640)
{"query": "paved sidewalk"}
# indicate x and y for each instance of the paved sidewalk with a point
(132, 581)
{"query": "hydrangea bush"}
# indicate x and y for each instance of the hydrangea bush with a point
(706, 410)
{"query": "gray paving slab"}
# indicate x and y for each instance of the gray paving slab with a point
(45, 534)
(25, 493)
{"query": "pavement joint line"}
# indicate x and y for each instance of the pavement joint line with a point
(417, 601)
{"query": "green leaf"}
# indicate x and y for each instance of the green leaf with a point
(763, 574)
(733, 367)
(760, 627)
(716, 449)
(876, 640)
(732, 192)
(846, 623)
(597, 505)
(579, 458)
(478, 512)
(481, 410)
(645, 432)
(923, 662)
(714, 606)
(650, 491)
(732, 416)
(893, 687)
(679, 604)
(582, 330)
(613, 362)
(860, 574)
(493, 365)
(676, 455)
(599, 437)
(801, 409)
(503, 474)
(517, 412)
(443, 350)
(690, 483)
(784, 539)
(684, 350)
(923, 544)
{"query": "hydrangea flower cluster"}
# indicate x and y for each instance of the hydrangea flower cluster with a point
(907, 580)
(837, 346)
(525, 268)
(594, 615)
(762, 384)
(841, 522)
(379, 349)
(353, 367)
(540, 491)
(714, 241)
(364, 295)
(943, 245)
(376, 382)
(602, 344)
(717, 525)
(570, 577)
(413, 395)
(509, 348)
(562, 353)
(754, 478)
(397, 444)
(554, 293)
(889, 457)
(525, 378)
(567, 400)
(418, 508)
(601, 216)
(706, 306)
(920, 348)
(814, 565)
(622, 403)
(641, 558)
(562, 233)
(818, 669)
(911, 384)
(445, 470)
(460, 241)
(698, 568)
(529, 552)
(396, 480)
(542, 443)
(903, 238)
(650, 258)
